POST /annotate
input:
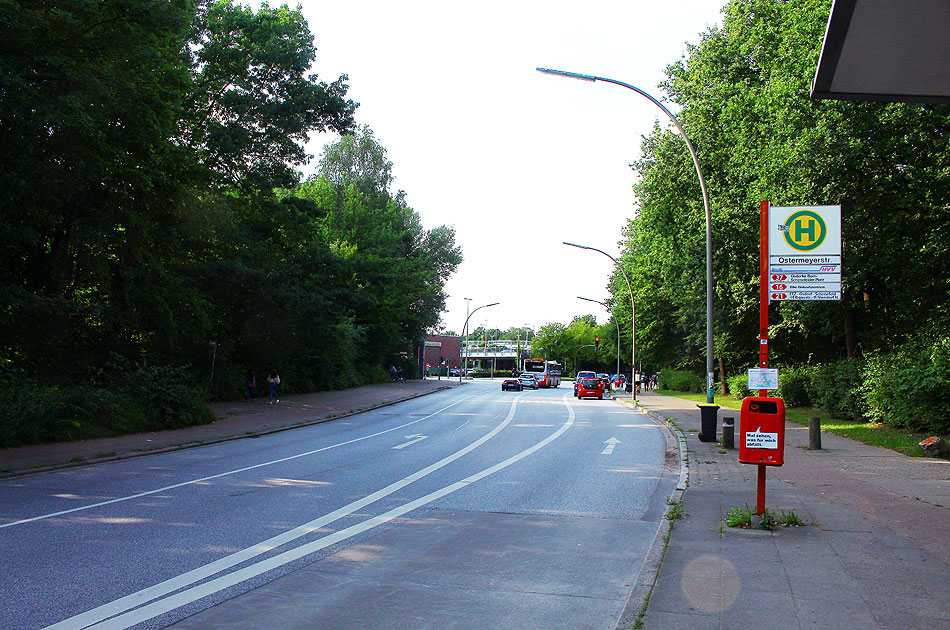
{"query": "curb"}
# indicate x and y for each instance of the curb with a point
(214, 440)
(636, 606)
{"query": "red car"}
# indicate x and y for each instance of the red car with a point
(590, 387)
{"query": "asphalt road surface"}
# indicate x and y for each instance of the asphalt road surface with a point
(468, 508)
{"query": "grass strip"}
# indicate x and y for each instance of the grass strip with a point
(870, 433)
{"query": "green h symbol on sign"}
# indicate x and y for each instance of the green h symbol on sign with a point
(806, 230)
(802, 227)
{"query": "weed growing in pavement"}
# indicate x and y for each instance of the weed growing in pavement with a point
(104, 454)
(742, 518)
(676, 510)
(790, 519)
(737, 517)
(77, 459)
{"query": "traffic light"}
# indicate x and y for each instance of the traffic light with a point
(596, 344)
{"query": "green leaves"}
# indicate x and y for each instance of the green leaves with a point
(744, 93)
(251, 105)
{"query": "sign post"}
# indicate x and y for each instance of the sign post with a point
(800, 259)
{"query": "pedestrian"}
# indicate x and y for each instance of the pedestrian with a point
(273, 386)
(250, 385)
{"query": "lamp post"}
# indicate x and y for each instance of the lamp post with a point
(214, 355)
(616, 321)
(465, 326)
(633, 313)
(702, 184)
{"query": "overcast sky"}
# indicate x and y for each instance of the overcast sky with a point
(515, 160)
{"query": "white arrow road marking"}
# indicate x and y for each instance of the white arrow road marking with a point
(611, 445)
(418, 438)
(182, 598)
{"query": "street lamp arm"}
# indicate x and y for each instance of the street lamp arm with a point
(702, 185)
(633, 314)
(465, 328)
(616, 321)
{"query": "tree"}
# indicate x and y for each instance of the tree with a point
(744, 96)
(251, 105)
(398, 269)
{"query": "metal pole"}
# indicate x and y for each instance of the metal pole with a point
(616, 321)
(465, 327)
(710, 348)
(633, 312)
(468, 302)
(214, 355)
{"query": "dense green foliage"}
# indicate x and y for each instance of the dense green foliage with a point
(148, 157)
(743, 94)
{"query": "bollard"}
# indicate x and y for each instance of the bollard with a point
(814, 434)
(728, 432)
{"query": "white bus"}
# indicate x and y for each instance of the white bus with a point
(548, 373)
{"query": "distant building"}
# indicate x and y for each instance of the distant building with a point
(439, 350)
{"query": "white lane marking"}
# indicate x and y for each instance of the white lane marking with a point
(225, 474)
(211, 587)
(611, 445)
(412, 440)
(161, 589)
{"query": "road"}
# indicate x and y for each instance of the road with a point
(468, 508)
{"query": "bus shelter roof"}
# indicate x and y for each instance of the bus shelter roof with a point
(886, 50)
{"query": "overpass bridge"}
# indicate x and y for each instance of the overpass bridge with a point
(495, 349)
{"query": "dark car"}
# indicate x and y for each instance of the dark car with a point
(606, 379)
(590, 388)
(582, 375)
(511, 384)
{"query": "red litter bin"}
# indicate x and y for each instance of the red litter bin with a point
(762, 431)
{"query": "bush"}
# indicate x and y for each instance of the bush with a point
(910, 387)
(682, 381)
(794, 384)
(739, 386)
(837, 388)
(118, 401)
(36, 413)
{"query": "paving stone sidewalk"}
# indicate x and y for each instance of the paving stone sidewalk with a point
(236, 419)
(874, 554)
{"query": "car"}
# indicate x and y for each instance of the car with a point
(511, 384)
(590, 387)
(455, 372)
(605, 378)
(581, 375)
(528, 380)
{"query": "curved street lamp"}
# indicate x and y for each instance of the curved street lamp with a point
(633, 314)
(464, 329)
(702, 185)
(616, 321)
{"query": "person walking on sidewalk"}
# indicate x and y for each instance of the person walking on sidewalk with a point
(250, 385)
(273, 383)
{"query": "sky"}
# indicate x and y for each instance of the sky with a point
(515, 160)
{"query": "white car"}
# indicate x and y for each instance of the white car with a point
(528, 380)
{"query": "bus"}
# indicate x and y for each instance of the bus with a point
(548, 373)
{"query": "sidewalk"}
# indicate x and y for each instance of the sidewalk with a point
(875, 552)
(236, 419)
